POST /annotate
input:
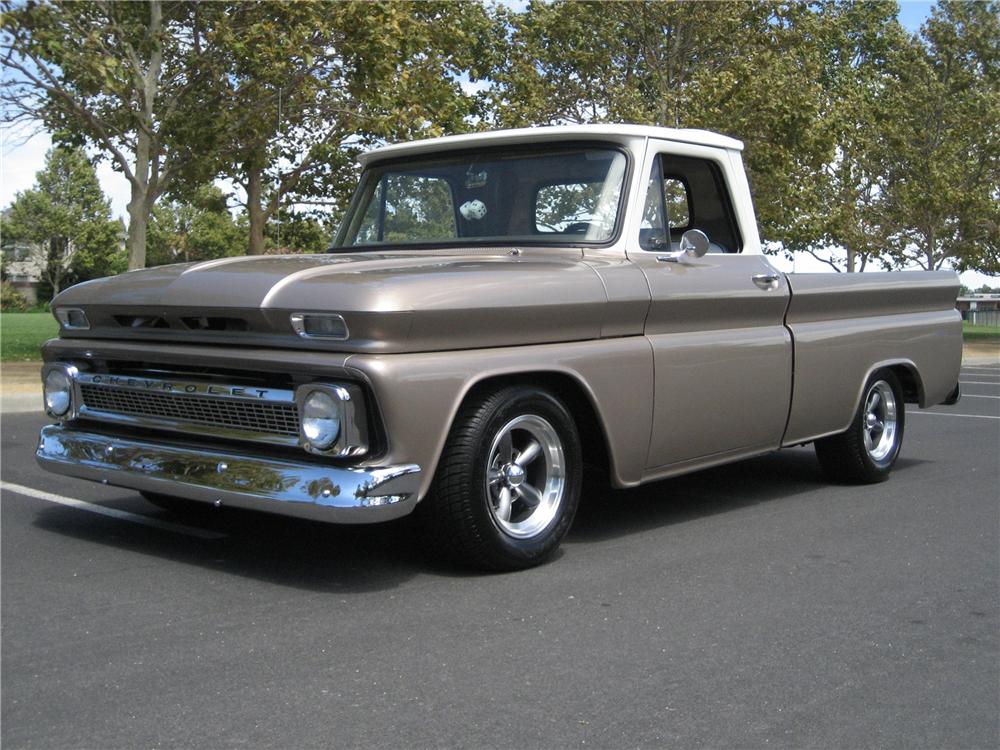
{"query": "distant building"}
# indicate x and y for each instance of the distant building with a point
(23, 266)
(980, 309)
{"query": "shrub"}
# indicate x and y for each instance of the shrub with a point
(11, 300)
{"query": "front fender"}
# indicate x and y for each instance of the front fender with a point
(420, 394)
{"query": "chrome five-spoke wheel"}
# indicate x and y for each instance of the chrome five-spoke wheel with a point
(509, 480)
(526, 476)
(867, 450)
(879, 429)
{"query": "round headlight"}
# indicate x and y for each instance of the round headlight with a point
(58, 392)
(320, 419)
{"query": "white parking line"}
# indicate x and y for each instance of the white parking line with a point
(121, 515)
(949, 414)
(977, 382)
(976, 395)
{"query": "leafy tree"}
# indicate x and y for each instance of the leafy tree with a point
(297, 232)
(754, 70)
(844, 222)
(127, 78)
(311, 83)
(201, 228)
(942, 145)
(68, 219)
(848, 128)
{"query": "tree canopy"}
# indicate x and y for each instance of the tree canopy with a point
(866, 145)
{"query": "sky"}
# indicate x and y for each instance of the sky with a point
(21, 157)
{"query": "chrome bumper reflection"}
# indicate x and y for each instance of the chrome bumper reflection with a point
(307, 490)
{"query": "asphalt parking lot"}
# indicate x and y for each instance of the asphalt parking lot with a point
(745, 606)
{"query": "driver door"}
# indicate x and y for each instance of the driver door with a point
(722, 355)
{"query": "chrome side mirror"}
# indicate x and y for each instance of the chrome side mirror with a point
(694, 244)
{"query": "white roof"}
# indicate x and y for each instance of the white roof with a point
(553, 133)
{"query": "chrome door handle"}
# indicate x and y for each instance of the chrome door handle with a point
(767, 281)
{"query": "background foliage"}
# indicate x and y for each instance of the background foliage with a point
(867, 146)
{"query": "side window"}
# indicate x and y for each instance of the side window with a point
(409, 208)
(692, 194)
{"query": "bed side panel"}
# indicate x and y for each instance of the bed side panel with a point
(844, 326)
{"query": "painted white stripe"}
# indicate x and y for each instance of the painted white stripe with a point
(977, 382)
(949, 414)
(121, 515)
(976, 395)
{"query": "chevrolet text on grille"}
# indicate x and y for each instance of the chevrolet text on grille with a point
(171, 386)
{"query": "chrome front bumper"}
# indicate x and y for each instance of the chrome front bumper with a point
(305, 490)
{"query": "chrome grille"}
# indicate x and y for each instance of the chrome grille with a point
(258, 419)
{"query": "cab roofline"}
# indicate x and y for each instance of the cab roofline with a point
(551, 133)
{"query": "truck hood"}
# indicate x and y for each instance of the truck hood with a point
(392, 301)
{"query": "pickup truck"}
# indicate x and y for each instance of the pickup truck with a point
(496, 311)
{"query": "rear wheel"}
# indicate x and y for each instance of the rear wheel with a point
(508, 484)
(867, 450)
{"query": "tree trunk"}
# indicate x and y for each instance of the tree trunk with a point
(851, 260)
(140, 203)
(255, 211)
(54, 261)
(138, 218)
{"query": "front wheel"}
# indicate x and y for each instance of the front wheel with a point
(866, 451)
(508, 484)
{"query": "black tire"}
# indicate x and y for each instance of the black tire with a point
(468, 519)
(849, 457)
(177, 505)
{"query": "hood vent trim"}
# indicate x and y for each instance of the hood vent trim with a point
(142, 321)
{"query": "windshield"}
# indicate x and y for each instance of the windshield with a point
(549, 195)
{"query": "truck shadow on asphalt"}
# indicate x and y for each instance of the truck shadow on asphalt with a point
(356, 559)
(777, 476)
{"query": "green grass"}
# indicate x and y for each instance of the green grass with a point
(980, 333)
(22, 335)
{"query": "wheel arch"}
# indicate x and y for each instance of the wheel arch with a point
(571, 389)
(907, 374)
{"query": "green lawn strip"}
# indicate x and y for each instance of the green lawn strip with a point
(22, 335)
(980, 333)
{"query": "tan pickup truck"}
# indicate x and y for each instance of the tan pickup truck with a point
(496, 311)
